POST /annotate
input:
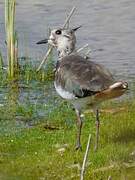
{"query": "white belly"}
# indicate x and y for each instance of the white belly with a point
(64, 94)
(78, 103)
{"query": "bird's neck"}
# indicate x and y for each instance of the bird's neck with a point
(62, 53)
(65, 48)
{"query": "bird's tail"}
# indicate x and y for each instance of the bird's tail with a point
(115, 90)
(119, 85)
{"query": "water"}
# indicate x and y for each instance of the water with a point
(107, 25)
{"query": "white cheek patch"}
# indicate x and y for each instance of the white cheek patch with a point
(62, 43)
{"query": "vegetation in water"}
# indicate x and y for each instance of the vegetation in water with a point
(12, 38)
(38, 131)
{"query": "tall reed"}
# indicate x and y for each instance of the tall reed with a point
(1, 66)
(11, 38)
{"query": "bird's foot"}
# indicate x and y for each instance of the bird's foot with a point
(78, 147)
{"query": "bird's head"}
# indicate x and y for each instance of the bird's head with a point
(63, 40)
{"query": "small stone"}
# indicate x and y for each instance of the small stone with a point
(76, 166)
(61, 150)
(132, 153)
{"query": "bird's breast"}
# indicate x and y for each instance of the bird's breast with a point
(64, 93)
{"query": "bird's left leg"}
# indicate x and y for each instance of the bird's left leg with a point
(79, 127)
(97, 129)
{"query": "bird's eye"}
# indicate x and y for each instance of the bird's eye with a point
(58, 32)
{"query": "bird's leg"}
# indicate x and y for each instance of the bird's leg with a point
(97, 129)
(79, 127)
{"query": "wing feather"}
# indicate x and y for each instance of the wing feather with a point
(82, 77)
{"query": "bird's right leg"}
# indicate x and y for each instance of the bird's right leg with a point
(79, 127)
(97, 129)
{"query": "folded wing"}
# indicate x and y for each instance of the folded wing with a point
(82, 77)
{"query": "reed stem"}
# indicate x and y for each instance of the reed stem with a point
(11, 38)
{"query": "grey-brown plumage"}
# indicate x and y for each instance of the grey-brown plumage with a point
(82, 82)
(75, 74)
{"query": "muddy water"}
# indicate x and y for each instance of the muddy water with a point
(107, 25)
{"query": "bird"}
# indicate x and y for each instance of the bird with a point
(84, 83)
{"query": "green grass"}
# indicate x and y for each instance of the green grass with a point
(43, 152)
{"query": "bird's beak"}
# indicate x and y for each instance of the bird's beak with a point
(44, 41)
(75, 29)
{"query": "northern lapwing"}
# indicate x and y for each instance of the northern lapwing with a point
(84, 83)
